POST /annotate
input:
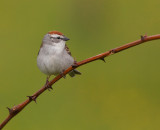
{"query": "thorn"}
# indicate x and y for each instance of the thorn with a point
(103, 60)
(113, 51)
(32, 98)
(143, 38)
(48, 87)
(9, 109)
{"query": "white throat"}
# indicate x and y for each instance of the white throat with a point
(54, 48)
(59, 46)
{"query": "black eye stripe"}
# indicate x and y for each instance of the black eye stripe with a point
(54, 38)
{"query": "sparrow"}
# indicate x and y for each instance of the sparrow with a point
(54, 56)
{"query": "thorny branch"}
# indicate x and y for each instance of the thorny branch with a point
(16, 109)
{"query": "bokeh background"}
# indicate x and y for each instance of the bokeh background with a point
(122, 94)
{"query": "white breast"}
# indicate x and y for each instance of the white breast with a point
(53, 60)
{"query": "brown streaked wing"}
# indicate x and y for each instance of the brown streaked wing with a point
(67, 49)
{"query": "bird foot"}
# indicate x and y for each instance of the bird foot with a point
(47, 85)
(63, 75)
(74, 64)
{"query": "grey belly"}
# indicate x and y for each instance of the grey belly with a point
(55, 65)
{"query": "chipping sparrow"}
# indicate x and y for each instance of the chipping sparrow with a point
(54, 56)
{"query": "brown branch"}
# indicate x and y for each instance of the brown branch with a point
(16, 109)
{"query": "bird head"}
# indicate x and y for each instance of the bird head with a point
(54, 38)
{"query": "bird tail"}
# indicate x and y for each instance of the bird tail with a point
(74, 72)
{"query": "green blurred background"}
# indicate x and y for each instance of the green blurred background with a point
(122, 94)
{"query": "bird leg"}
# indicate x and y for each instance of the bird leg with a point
(48, 86)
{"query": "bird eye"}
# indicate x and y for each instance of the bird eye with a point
(58, 37)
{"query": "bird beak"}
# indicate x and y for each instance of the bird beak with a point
(65, 39)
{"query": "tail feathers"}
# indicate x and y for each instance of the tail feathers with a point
(74, 72)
